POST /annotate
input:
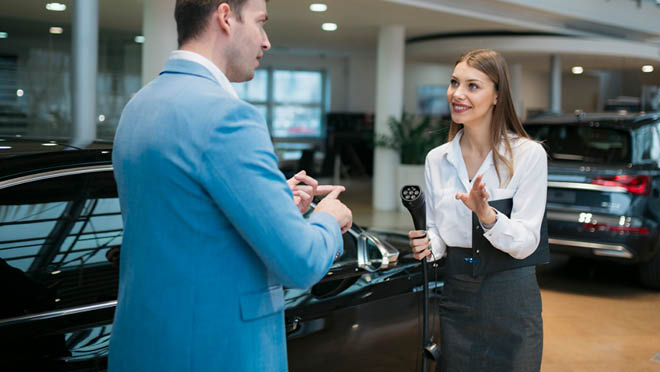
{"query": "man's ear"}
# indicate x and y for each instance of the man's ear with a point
(223, 17)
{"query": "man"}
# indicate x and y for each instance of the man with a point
(212, 232)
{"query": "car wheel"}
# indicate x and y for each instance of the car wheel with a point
(649, 272)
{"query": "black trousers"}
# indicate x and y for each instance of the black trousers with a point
(491, 323)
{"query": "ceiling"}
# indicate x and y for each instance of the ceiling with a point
(293, 27)
(291, 24)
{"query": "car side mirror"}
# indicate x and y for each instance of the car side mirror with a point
(375, 254)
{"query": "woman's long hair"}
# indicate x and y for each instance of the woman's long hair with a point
(505, 120)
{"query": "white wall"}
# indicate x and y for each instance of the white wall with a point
(580, 92)
(361, 84)
(535, 91)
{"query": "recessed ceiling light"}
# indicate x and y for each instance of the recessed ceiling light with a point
(318, 7)
(3, 35)
(19, 93)
(647, 68)
(577, 70)
(56, 7)
(139, 39)
(101, 118)
(329, 26)
(56, 30)
(5, 147)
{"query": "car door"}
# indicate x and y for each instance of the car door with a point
(362, 317)
(60, 231)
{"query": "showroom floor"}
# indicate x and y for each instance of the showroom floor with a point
(596, 316)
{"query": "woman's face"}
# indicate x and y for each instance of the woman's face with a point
(471, 95)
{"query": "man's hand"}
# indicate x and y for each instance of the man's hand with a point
(477, 201)
(304, 188)
(330, 204)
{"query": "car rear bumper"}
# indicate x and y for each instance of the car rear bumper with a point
(583, 248)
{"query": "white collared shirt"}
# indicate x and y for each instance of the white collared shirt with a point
(213, 69)
(449, 221)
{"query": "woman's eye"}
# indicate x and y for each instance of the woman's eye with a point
(453, 83)
(474, 86)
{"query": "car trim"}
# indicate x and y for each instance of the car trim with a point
(57, 313)
(569, 215)
(53, 174)
(599, 249)
(586, 186)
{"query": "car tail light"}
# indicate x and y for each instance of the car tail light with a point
(640, 185)
(615, 228)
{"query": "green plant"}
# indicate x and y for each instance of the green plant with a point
(413, 137)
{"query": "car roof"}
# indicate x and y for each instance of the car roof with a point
(613, 119)
(11, 145)
(20, 156)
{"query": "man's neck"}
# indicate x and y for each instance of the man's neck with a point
(204, 49)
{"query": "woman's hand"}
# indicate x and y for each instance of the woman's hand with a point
(420, 243)
(477, 201)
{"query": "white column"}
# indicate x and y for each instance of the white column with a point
(555, 83)
(389, 102)
(85, 42)
(515, 79)
(159, 31)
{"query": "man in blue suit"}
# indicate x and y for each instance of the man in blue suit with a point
(212, 231)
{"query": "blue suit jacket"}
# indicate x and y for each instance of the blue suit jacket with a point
(211, 232)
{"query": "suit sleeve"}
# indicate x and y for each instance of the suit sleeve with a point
(239, 170)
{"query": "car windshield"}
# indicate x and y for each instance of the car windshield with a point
(581, 143)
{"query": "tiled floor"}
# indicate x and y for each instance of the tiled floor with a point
(596, 316)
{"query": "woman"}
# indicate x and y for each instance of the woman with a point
(484, 209)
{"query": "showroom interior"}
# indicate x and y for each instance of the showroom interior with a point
(339, 74)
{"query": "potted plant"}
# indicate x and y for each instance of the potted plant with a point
(413, 137)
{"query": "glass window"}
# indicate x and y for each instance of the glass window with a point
(296, 121)
(255, 90)
(297, 87)
(293, 105)
(591, 144)
(55, 241)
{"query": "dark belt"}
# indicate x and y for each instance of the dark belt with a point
(461, 261)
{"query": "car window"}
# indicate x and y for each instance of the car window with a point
(584, 143)
(58, 237)
(646, 140)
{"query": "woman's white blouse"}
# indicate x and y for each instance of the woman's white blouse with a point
(449, 221)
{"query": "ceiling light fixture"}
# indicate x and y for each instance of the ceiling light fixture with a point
(139, 39)
(56, 7)
(56, 30)
(318, 7)
(19, 93)
(329, 26)
(647, 68)
(3, 35)
(577, 70)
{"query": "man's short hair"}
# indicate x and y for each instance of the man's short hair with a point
(192, 16)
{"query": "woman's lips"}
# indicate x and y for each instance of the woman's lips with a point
(460, 108)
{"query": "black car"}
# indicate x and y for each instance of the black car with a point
(604, 187)
(60, 242)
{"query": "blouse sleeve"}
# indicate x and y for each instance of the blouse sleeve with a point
(438, 246)
(519, 235)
